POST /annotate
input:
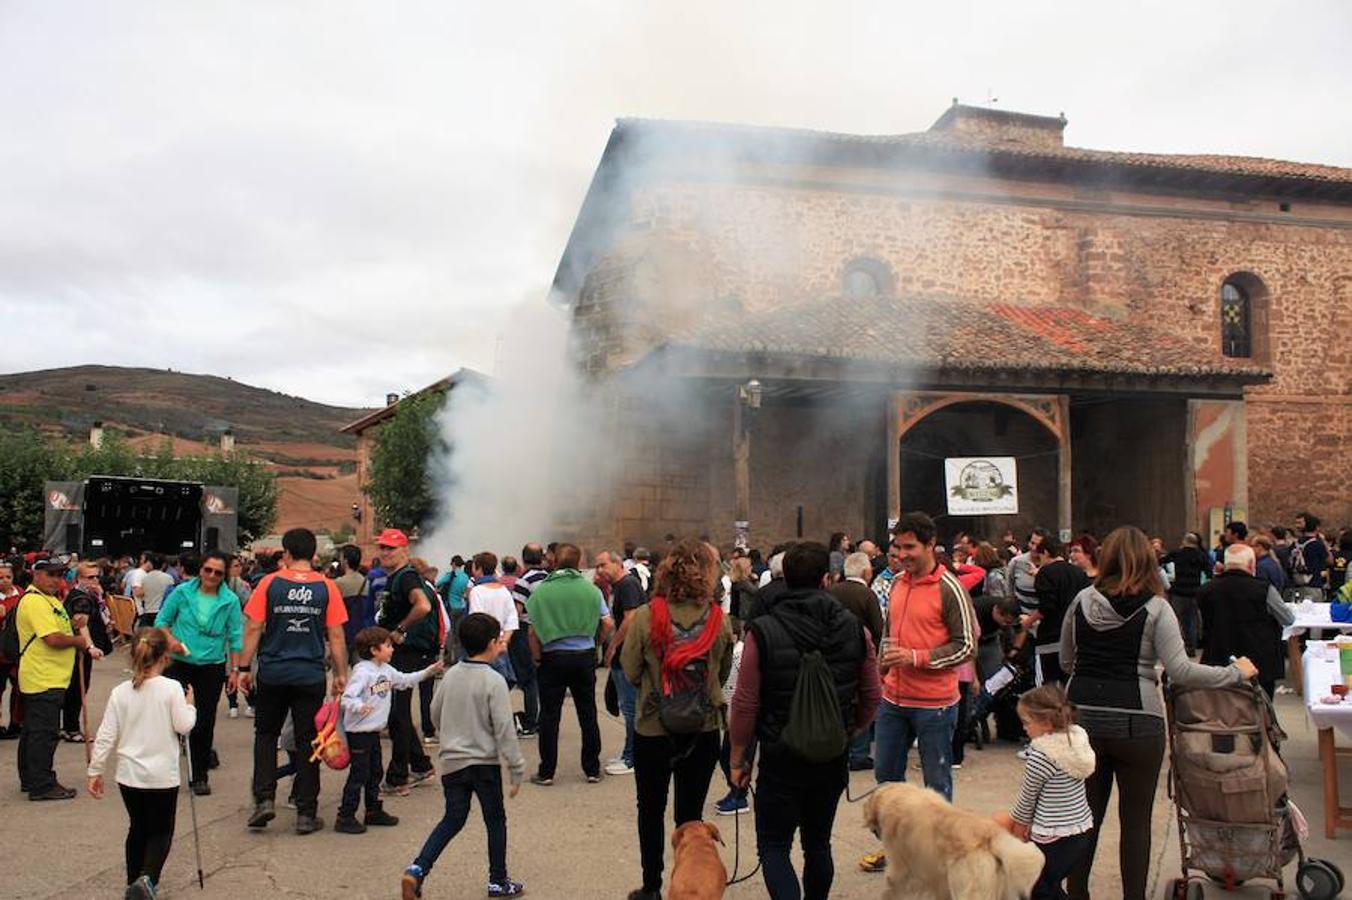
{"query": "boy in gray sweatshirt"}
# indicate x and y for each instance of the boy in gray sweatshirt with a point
(473, 717)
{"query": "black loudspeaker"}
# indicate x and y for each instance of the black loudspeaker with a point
(213, 541)
(73, 537)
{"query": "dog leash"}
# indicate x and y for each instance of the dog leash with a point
(737, 849)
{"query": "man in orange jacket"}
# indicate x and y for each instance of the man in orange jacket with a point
(930, 630)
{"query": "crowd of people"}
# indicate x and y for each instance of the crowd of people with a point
(799, 666)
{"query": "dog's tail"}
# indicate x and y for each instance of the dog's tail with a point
(1018, 866)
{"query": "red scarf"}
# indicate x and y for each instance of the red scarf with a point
(661, 635)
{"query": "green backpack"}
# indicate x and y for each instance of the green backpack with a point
(816, 727)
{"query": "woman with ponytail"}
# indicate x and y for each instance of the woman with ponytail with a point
(142, 722)
(675, 641)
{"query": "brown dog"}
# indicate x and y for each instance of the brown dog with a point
(699, 873)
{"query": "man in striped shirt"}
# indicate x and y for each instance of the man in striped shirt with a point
(930, 630)
(528, 721)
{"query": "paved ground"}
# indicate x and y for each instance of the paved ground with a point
(572, 840)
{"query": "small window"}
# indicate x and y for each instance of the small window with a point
(1236, 321)
(867, 279)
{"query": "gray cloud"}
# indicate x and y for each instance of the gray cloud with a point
(339, 199)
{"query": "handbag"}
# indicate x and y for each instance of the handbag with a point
(328, 745)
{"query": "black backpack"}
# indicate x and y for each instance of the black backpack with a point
(10, 651)
(1300, 566)
(815, 730)
(683, 703)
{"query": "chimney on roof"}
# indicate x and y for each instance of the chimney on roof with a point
(228, 441)
(96, 434)
(391, 399)
(1002, 128)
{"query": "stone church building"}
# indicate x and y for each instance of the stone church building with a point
(805, 325)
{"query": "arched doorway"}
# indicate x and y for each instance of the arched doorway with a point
(930, 427)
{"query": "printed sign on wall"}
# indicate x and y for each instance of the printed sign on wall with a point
(982, 486)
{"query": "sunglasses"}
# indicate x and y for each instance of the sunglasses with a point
(206, 571)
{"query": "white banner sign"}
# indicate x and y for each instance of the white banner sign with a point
(982, 486)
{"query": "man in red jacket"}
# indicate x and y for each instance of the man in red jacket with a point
(930, 630)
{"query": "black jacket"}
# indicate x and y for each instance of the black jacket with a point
(800, 621)
(1236, 622)
(1189, 564)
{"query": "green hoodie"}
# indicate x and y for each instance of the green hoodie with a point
(564, 605)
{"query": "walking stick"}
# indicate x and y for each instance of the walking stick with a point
(192, 805)
(84, 711)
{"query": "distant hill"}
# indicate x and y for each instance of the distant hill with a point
(299, 439)
(157, 401)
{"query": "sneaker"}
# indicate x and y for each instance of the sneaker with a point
(380, 817)
(248, 712)
(290, 801)
(200, 788)
(393, 790)
(641, 894)
(234, 712)
(140, 889)
(506, 888)
(264, 811)
(593, 779)
(956, 766)
(309, 824)
(417, 778)
(72, 737)
(873, 862)
(55, 792)
(527, 734)
(732, 806)
(345, 825)
(429, 739)
(619, 767)
(410, 884)
(541, 781)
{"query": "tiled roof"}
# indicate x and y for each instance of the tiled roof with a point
(948, 334)
(772, 142)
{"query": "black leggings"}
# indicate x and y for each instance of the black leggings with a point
(1134, 762)
(206, 681)
(151, 811)
(70, 709)
(689, 760)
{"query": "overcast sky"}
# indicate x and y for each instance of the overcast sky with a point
(342, 199)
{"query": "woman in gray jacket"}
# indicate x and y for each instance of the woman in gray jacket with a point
(1114, 636)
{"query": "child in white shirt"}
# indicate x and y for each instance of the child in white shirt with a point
(366, 709)
(143, 721)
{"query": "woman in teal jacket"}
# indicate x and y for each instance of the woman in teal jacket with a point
(203, 616)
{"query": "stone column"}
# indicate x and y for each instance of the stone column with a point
(741, 460)
(1064, 470)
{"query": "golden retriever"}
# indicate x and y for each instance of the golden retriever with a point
(936, 851)
(698, 873)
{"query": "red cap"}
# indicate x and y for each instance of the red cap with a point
(392, 537)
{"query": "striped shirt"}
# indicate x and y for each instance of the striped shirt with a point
(1051, 801)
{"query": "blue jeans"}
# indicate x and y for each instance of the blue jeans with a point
(628, 694)
(484, 782)
(898, 727)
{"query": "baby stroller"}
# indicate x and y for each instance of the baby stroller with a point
(1228, 782)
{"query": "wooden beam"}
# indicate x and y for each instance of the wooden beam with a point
(1063, 486)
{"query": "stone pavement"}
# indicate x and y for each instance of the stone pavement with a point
(572, 840)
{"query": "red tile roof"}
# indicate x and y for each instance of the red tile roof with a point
(933, 333)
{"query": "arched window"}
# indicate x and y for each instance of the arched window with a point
(1244, 317)
(1236, 321)
(866, 278)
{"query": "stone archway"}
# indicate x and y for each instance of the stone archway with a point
(909, 408)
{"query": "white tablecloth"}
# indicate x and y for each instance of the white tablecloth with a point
(1315, 616)
(1320, 676)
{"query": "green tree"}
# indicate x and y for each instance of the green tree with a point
(27, 459)
(399, 486)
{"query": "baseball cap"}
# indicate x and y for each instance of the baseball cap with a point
(392, 537)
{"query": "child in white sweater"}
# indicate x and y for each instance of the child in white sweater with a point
(143, 721)
(366, 709)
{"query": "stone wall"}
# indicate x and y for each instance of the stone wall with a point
(701, 250)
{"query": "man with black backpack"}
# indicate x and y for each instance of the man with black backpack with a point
(808, 680)
(1310, 555)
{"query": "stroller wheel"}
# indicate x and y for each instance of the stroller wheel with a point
(1318, 880)
(1337, 872)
